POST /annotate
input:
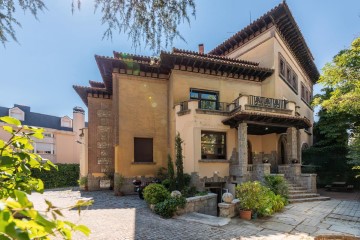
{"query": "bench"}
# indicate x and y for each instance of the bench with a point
(339, 186)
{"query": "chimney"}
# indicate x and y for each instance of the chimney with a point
(201, 48)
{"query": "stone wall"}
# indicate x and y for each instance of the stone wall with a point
(101, 150)
(202, 204)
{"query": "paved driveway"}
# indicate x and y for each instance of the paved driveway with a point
(129, 218)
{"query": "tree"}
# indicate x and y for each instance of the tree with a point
(179, 162)
(171, 174)
(341, 101)
(341, 77)
(153, 21)
(18, 218)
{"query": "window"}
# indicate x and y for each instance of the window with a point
(294, 81)
(208, 99)
(143, 150)
(213, 145)
(44, 148)
(17, 113)
(48, 135)
(302, 91)
(282, 66)
(66, 122)
(287, 74)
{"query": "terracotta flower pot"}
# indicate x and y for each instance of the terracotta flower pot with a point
(245, 214)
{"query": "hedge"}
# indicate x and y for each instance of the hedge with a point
(67, 176)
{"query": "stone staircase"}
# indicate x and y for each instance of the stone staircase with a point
(299, 194)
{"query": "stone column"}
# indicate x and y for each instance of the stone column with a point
(242, 149)
(292, 144)
(298, 135)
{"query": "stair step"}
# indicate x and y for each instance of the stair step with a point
(308, 199)
(296, 188)
(298, 191)
(303, 195)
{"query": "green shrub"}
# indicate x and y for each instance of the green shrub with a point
(187, 179)
(273, 203)
(166, 184)
(162, 173)
(252, 195)
(189, 191)
(66, 176)
(168, 207)
(155, 193)
(278, 185)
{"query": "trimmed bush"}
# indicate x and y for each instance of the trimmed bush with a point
(278, 185)
(66, 176)
(155, 193)
(168, 207)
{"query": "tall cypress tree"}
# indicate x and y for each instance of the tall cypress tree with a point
(171, 174)
(179, 162)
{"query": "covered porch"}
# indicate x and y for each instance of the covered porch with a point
(266, 143)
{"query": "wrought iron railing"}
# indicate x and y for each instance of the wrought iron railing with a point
(267, 102)
(213, 105)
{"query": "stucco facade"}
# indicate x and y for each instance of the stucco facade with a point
(62, 140)
(242, 110)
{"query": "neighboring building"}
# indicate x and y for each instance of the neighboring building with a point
(243, 109)
(61, 142)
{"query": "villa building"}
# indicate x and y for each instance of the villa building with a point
(242, 109)
(61, 134)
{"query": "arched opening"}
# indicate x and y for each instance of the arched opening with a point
(282, 150)
(250, 156)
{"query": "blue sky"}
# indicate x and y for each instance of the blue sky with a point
(57, 50)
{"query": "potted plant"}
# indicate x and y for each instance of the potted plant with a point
(250, 195)
(118, 184)
(83, 182)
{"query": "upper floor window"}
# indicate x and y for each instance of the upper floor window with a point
(213, 145)
(288, 74)
(207, 99)
(17, 113)
(66, 122)
(282, 67)
(306, 94)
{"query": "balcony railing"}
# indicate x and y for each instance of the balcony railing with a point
(267, 102)
(213, 105)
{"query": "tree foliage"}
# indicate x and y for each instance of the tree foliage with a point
(341, 78)
(153, 21)
(179, 162)
(171, 174)
(339, 122)
(18, 218)
(8, 20)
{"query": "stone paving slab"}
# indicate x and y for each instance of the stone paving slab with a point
(129, 217)
(204, 219)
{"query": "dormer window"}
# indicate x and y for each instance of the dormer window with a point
(17, 113)
(66, 122)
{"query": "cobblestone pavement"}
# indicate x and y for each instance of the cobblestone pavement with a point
(129, 217)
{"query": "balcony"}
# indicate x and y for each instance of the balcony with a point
(243, 102)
